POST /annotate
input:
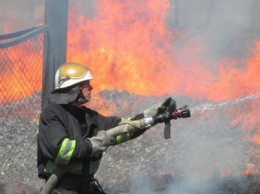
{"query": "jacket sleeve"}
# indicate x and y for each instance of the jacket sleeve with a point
(54, 141)
(111, 122)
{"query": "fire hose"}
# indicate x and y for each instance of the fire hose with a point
(128, 127)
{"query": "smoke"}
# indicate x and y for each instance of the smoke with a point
(229, 28)
(14, 188)
(206, 153)
(141, 184)
(206, 147)
(17, 15)
(215, 186)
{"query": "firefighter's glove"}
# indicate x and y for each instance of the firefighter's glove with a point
(157, 108)
(100, 143)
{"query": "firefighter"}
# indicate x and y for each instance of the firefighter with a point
(70, 133)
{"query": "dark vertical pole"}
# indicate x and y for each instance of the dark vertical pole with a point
(55, 43)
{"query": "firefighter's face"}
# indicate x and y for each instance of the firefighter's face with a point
(86, 90)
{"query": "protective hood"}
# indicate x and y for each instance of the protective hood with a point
(64, 95)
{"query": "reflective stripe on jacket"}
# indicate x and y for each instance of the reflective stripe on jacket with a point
(62, 134)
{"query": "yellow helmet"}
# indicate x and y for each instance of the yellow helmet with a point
(70, 74)
(67, 80)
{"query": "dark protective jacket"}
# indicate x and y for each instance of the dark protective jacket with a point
(61, 138)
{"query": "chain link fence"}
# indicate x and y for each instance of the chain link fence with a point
(21, 67)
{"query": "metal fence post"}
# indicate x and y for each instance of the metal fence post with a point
(56, 18)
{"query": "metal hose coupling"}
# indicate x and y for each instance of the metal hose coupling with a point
(148, 121)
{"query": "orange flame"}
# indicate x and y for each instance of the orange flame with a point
(125, 46)
(19, 78)
(128, 46)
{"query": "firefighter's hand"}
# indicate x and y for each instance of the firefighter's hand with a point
(158, 108)
(100, 143)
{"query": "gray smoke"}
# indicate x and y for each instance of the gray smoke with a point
(20, 15)
(202, 147)
(229, 28)
(205, 153)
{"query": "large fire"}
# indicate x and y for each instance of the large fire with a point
(19, 78)
(128, 46)
(125, 45)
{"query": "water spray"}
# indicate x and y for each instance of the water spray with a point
(216, 106)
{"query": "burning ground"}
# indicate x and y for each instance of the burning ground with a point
(207, 153)
(205, 54)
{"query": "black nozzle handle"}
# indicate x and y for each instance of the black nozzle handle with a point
(167, 130)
